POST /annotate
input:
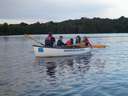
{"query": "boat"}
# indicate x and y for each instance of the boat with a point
(41, 51)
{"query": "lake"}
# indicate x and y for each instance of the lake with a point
(100, 72)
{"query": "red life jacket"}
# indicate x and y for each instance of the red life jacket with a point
(69, 42)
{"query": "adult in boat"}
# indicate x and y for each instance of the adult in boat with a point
(87, 42)
(50, 40)
(78, 39)
(69, 42)
(60, 42)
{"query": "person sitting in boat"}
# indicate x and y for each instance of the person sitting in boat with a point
(87, 42)
(78, 39)
(47, 43)
(60, 42)
(69, 42)
(50, 40)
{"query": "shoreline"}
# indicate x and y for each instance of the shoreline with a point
(87, 34)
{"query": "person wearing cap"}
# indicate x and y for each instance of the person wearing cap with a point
(60, 42)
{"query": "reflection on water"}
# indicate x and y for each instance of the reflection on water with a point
(69, 76)
(101, 72)
(54, 64)
(51, 68)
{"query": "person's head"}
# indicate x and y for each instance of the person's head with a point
(85, 38)
(78, 36)
(50, 34)
(61, 37)
(71, 39)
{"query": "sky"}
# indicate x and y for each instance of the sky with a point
(30, 11)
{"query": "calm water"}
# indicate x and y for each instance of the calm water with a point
(101, 72)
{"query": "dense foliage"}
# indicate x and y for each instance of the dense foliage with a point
(83, 25)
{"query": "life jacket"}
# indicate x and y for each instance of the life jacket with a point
(49, 38)
(87, 42)
(60, 43)
(69, 42)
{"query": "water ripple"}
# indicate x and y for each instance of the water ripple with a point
(101, 72)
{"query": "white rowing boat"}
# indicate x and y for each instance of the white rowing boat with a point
(41, 51)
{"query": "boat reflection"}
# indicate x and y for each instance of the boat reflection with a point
(62, 65)
(83, 62)
(51, 69)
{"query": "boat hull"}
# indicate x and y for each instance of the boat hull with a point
(41, 51)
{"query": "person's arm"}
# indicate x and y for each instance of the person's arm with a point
(90, 45)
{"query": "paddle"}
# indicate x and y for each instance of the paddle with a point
(95, 45)
(82, 45)
(33, 39)
(98, 46)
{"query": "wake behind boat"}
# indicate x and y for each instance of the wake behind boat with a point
(41, 51)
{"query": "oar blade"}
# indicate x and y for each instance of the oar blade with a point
(99, 46)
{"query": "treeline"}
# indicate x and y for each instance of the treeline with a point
(83, 25)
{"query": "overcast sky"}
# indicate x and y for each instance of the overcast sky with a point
(15, 11)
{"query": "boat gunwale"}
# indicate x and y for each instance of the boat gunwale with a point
(59, 47)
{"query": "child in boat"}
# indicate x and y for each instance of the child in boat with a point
(87, 42)
(69, 42)
(50, 41)
(60, 42)
(78, 39)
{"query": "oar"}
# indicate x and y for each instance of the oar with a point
(93, 45)
(33, 39)
(98, 46)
